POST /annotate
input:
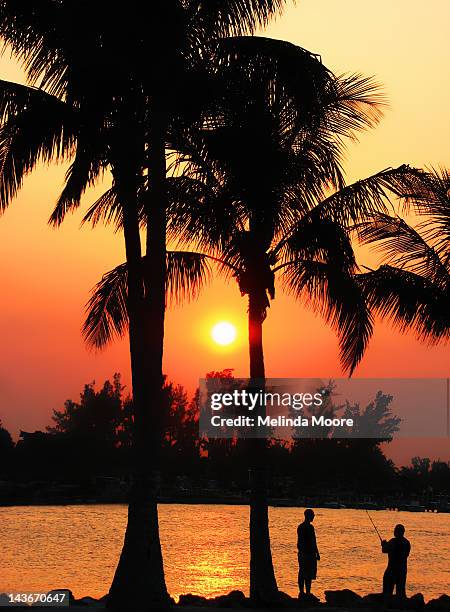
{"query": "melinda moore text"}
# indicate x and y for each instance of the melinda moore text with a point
(242, 398)
(280, 421)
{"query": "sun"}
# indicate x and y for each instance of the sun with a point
(223, 333)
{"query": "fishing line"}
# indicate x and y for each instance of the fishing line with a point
(374, 526)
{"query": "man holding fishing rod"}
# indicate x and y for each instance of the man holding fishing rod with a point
(397, 550)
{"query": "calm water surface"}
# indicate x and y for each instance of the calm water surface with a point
(206, 548)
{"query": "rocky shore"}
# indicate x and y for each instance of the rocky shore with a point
(334, 600)
(344, 599)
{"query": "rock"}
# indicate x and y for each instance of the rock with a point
(192, 600)
(441, 603)
(308, 601)
(89, 601)
(343, 598)
(416, 602)
(286, 601)
(234, 599)
(377, 600)
(373, 600)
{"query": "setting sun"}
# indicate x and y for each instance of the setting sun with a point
(223, 333)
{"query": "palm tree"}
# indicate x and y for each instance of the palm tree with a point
(120, 95)
(39, 126)
(221, 205)
(240, 154)
(266, 211)
(412, 287)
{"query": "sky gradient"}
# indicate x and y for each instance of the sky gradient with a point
(47, 273)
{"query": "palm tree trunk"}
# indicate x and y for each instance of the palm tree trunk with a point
(155, 268)
(139, 582)
(263, 585)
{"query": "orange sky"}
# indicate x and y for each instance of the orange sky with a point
(47, 273)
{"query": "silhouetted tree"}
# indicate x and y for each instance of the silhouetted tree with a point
(347, 461)
(97, 415)
(181, 442)
(440, 477)
(376, 421)
(416, 476)
(93, 425)
(6, 449)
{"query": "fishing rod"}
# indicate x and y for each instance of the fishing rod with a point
(374, 526)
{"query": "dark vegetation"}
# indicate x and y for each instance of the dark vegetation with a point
(85, 455)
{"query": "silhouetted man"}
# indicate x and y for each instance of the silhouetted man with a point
(397, 549)
(308, 553)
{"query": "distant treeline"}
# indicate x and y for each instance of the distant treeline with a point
(91, 439)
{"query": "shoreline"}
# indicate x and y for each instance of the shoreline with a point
(231, 501)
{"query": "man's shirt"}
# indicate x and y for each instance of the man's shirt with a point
(398, 550)
(306, 539)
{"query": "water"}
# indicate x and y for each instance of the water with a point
(206, 548)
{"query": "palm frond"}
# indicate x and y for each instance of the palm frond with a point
(187, 274)
(298, 87)
(319, 156)
(317, 238)
(318, 267)
(409, 301)
(402, 246)
(202, 214)
(335, 294)
(355, 202)
(435, 208)
(218, 18)
(107, 313)
(35, 127)
(355, 104)
(106, 209)
(34, 34)
(287, 81)
(412, 288)
(45, 38)
(85, 170)
(15, 97)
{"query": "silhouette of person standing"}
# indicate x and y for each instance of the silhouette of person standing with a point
(308, 553)
(397, 550)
